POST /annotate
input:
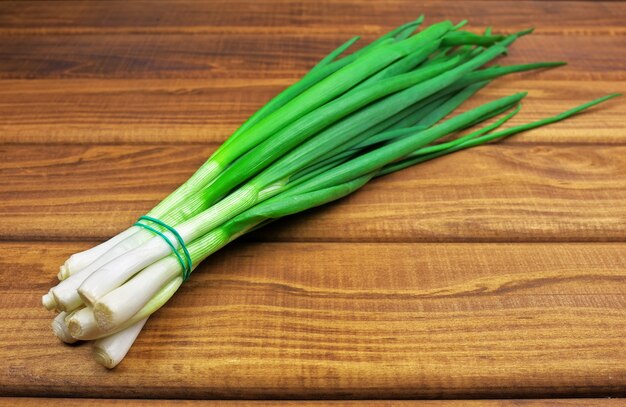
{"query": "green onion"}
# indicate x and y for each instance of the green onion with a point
(353, 117)
(110, 350)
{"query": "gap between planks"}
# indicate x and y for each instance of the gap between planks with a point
(79, 402)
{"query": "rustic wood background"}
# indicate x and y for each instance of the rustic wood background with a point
(498, 272)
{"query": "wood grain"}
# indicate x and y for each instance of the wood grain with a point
(495, 273)
(253, 56)
(171, 111)
(298, 321)
(26, 401)
(537, 193)
(324, 17)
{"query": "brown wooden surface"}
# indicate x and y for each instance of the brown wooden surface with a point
(333, 403)
(203, 111)
(494, 273)
(324, 17)
(252, 56)
(294, 320)
(539, 192)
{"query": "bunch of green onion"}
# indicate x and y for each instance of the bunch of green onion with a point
(349, 119)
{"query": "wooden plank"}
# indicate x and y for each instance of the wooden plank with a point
(68, 402)
(346, 17)
(245, 56)
(297, 321)
(173, 111)
(492, 193)
(294, 320)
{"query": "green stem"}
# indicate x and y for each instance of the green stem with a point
(476, 141)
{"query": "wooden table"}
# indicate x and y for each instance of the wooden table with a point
(499, 272)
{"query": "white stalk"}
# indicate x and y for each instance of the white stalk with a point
(79, 261)
(122, 303)
(61, 330)
(119, 305)
(63, 272)
(48, 301)
(71, 314)
(83, 325)
(110, 351)
(118, 271)
(66, 292)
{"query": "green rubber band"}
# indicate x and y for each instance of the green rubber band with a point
(186, 265)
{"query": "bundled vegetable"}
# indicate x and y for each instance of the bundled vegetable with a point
(350, 119)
